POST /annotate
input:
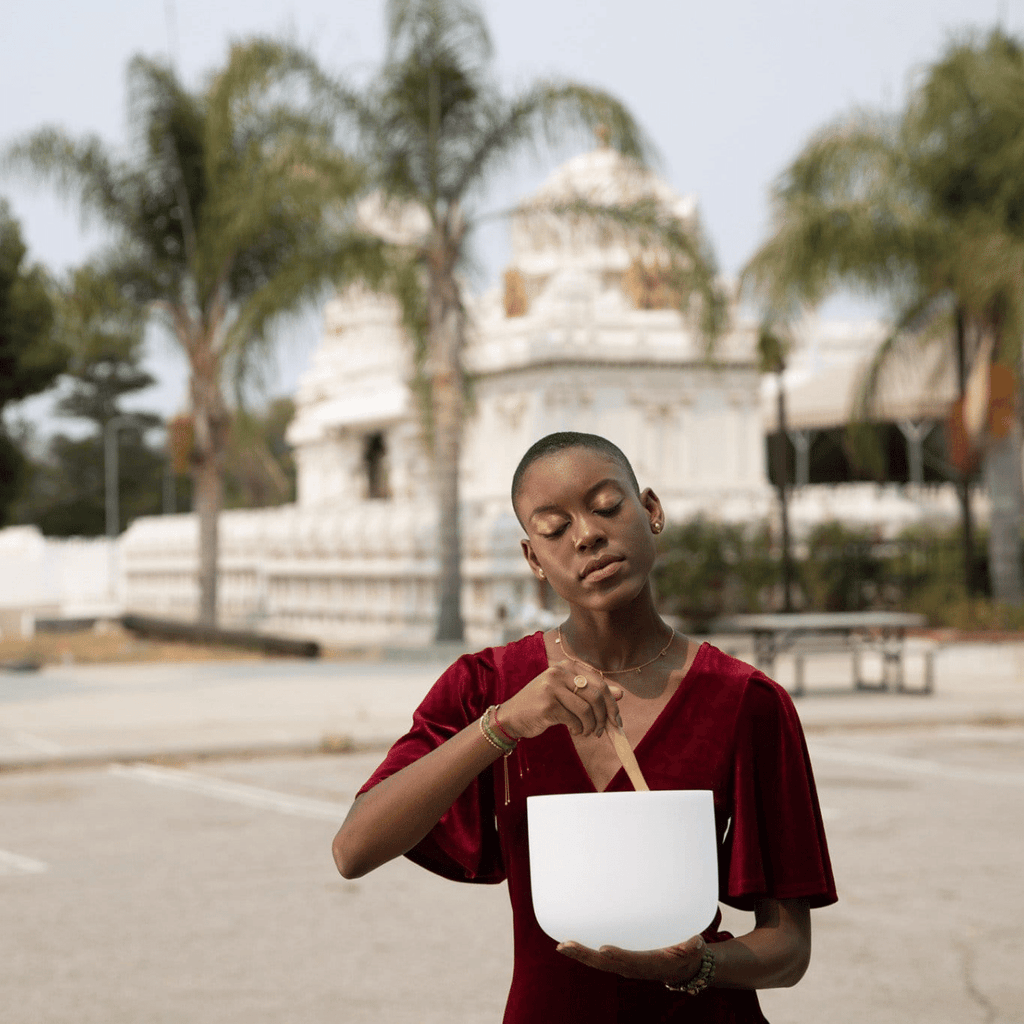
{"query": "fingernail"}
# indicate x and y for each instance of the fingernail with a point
(600, 732)
(618, 720)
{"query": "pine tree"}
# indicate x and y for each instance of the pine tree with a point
(30, 356)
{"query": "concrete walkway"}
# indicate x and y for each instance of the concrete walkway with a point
(95, 714)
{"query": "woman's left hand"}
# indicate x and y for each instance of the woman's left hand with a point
(675, 964)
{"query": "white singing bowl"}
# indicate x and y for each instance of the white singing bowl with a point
(635, 870)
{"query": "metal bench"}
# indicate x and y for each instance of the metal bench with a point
(881, 632)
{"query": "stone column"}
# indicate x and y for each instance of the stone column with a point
(915, 434)
(802, 443)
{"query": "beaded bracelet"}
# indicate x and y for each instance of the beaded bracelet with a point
(701, 980)
(499, 726)
(491, 736)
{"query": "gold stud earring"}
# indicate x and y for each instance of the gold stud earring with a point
(540, 573)
(656, 527)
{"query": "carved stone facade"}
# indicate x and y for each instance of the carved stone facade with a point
(562, 346)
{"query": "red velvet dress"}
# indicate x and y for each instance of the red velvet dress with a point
(727, 728)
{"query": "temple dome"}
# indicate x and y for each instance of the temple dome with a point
(606, 177)
(547, 238)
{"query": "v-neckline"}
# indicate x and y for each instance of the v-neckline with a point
(647, 732)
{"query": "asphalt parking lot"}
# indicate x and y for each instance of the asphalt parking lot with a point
(203, 892)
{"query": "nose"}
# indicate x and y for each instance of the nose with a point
(588, 533)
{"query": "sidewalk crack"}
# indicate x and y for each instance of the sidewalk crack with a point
(979, 998)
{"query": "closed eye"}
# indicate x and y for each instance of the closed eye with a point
(608, 512)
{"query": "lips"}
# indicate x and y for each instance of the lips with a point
(599, 568)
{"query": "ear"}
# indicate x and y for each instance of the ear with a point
(531, 559)
(652, 503)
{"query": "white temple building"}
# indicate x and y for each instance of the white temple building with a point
(563, 347)
(584, 335)
(579, 338)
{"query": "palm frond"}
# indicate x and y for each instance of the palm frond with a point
(817, 248)
(988, 277)
(678, 249)
(433, 27)
(82, 171)
(911, 334)
(551, 111)
(917, 328)
(263, 81)
(851, 157)
(321, 264)
(846, 213)
(168, 127)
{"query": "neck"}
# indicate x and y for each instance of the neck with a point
(617, 639)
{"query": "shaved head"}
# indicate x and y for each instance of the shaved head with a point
(559, 442)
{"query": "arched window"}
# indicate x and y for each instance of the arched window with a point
(375, 467)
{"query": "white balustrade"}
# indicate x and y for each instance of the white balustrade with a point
(362, 575)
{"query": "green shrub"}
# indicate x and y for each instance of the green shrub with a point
(707, 568)
(841, 572)
(925, 559)
(944, 602)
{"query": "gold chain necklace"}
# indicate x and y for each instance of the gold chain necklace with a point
(602, 672)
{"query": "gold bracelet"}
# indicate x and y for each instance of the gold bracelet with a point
(701, 980)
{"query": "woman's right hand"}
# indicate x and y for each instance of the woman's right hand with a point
(554, 698)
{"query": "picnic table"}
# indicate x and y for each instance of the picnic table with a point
(857, 632)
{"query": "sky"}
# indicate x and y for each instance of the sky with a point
(728, 92)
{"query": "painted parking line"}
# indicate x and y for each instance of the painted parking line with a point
(914, 766)
(38, 743)
(16, 864)
(233, 792)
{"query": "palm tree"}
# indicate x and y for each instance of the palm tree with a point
(228, 212)
(435, 127)
(926, 207)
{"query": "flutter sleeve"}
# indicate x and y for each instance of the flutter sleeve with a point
(463, 845)
(776, 842)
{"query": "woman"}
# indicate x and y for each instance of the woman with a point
(696, 718)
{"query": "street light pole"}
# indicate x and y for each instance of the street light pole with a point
(112, 505)
(111, 472)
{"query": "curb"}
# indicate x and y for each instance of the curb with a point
(175, 755)
(984, 719)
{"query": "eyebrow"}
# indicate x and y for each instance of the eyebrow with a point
(543, 509)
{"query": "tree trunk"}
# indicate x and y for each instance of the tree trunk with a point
(208, 500)
(963, 484)
(447, 431)
(448, 410)
(210, 433)
(781, 482)
(1003, 476)
(963, 493)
